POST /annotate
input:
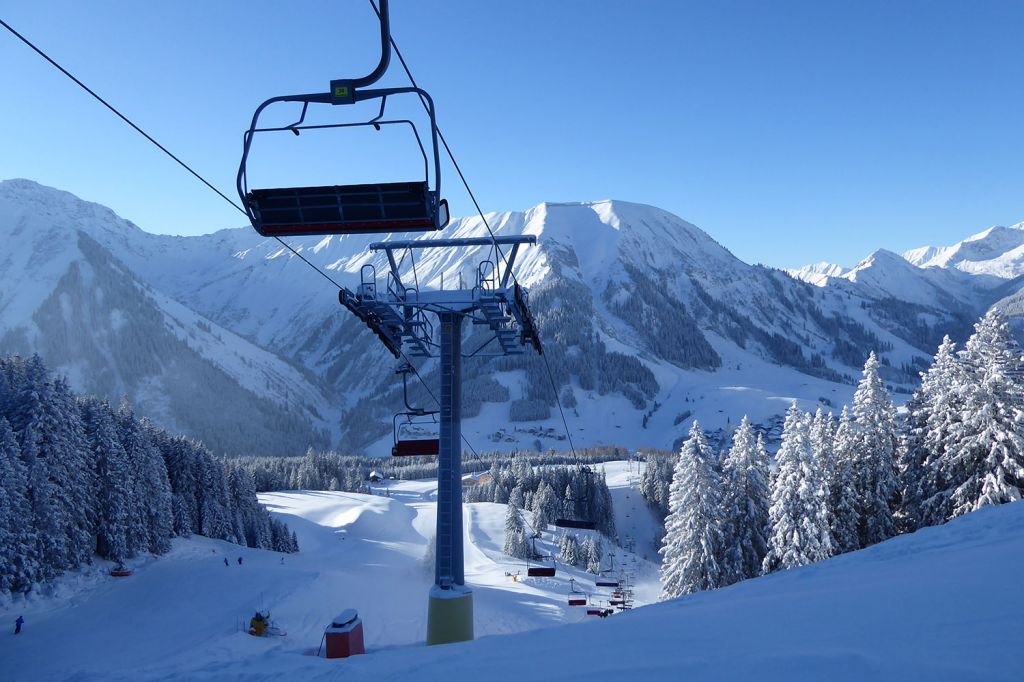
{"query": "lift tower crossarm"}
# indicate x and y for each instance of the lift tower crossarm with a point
(514, 241)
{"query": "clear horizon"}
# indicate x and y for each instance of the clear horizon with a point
(792, 134)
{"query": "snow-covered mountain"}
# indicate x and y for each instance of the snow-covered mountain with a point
(817, 273)
(998, 252)
(647, 322)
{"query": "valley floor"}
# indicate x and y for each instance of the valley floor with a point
(942, 604)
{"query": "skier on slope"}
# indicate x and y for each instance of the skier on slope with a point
(239, 561)
(226, 561)
(17, 625)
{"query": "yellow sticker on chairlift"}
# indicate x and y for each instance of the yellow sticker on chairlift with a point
(341, 91)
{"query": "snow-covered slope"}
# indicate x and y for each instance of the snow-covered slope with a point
(66, 294)
(179, 615)
(647, 323)
(941, 604)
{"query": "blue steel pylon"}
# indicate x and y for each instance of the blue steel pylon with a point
(398, 315)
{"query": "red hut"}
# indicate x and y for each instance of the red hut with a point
(345, 635)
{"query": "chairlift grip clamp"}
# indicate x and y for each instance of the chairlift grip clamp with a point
(342, 91)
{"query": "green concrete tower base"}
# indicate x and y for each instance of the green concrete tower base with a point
(450, 615)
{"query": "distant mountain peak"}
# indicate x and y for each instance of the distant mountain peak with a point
(997, 251)
(817, 274)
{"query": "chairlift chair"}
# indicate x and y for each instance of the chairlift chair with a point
(347, 209)
(540, 571)
(576, 597)
(412, 416)
(580, 524)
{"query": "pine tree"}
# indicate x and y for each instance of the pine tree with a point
(874, 471)
(60, 475)
(822, 435)
(934, 413)
(544, 506)
(842, 492)
(569, 550)
(114, 497)
(516, 498)
(799, 511)
(745, 506)
(984, 458)
(15, 532)
(693, 544)
(594, 554)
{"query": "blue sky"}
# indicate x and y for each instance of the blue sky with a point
(791, 132)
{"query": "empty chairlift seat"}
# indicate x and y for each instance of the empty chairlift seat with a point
(416, 448)
(577, 601)
(346, 209)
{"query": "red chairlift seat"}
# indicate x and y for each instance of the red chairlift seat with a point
(416, 448)
(577, 602)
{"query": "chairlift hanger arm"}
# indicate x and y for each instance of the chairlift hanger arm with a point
(385, 50)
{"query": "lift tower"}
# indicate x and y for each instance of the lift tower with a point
(403, 316)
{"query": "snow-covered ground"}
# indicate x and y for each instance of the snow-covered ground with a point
(942, 604)
(180, 616)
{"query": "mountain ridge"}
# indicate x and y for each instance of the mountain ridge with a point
(645, 318)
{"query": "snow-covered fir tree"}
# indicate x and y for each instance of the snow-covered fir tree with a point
(842, 492)
(16, 541)
(545, 506)
(745, 505)
(874, 471)
(593, 554)
(569, 551)
(78, 480)
(693, 545)
(983, 462)
(516, 543)
(822, 435)
(799, 516)
(935, 413)
(114, 494)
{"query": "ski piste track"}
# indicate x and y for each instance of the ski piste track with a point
(941, 604)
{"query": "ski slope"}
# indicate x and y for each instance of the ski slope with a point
(180, 616)
(941, 604)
